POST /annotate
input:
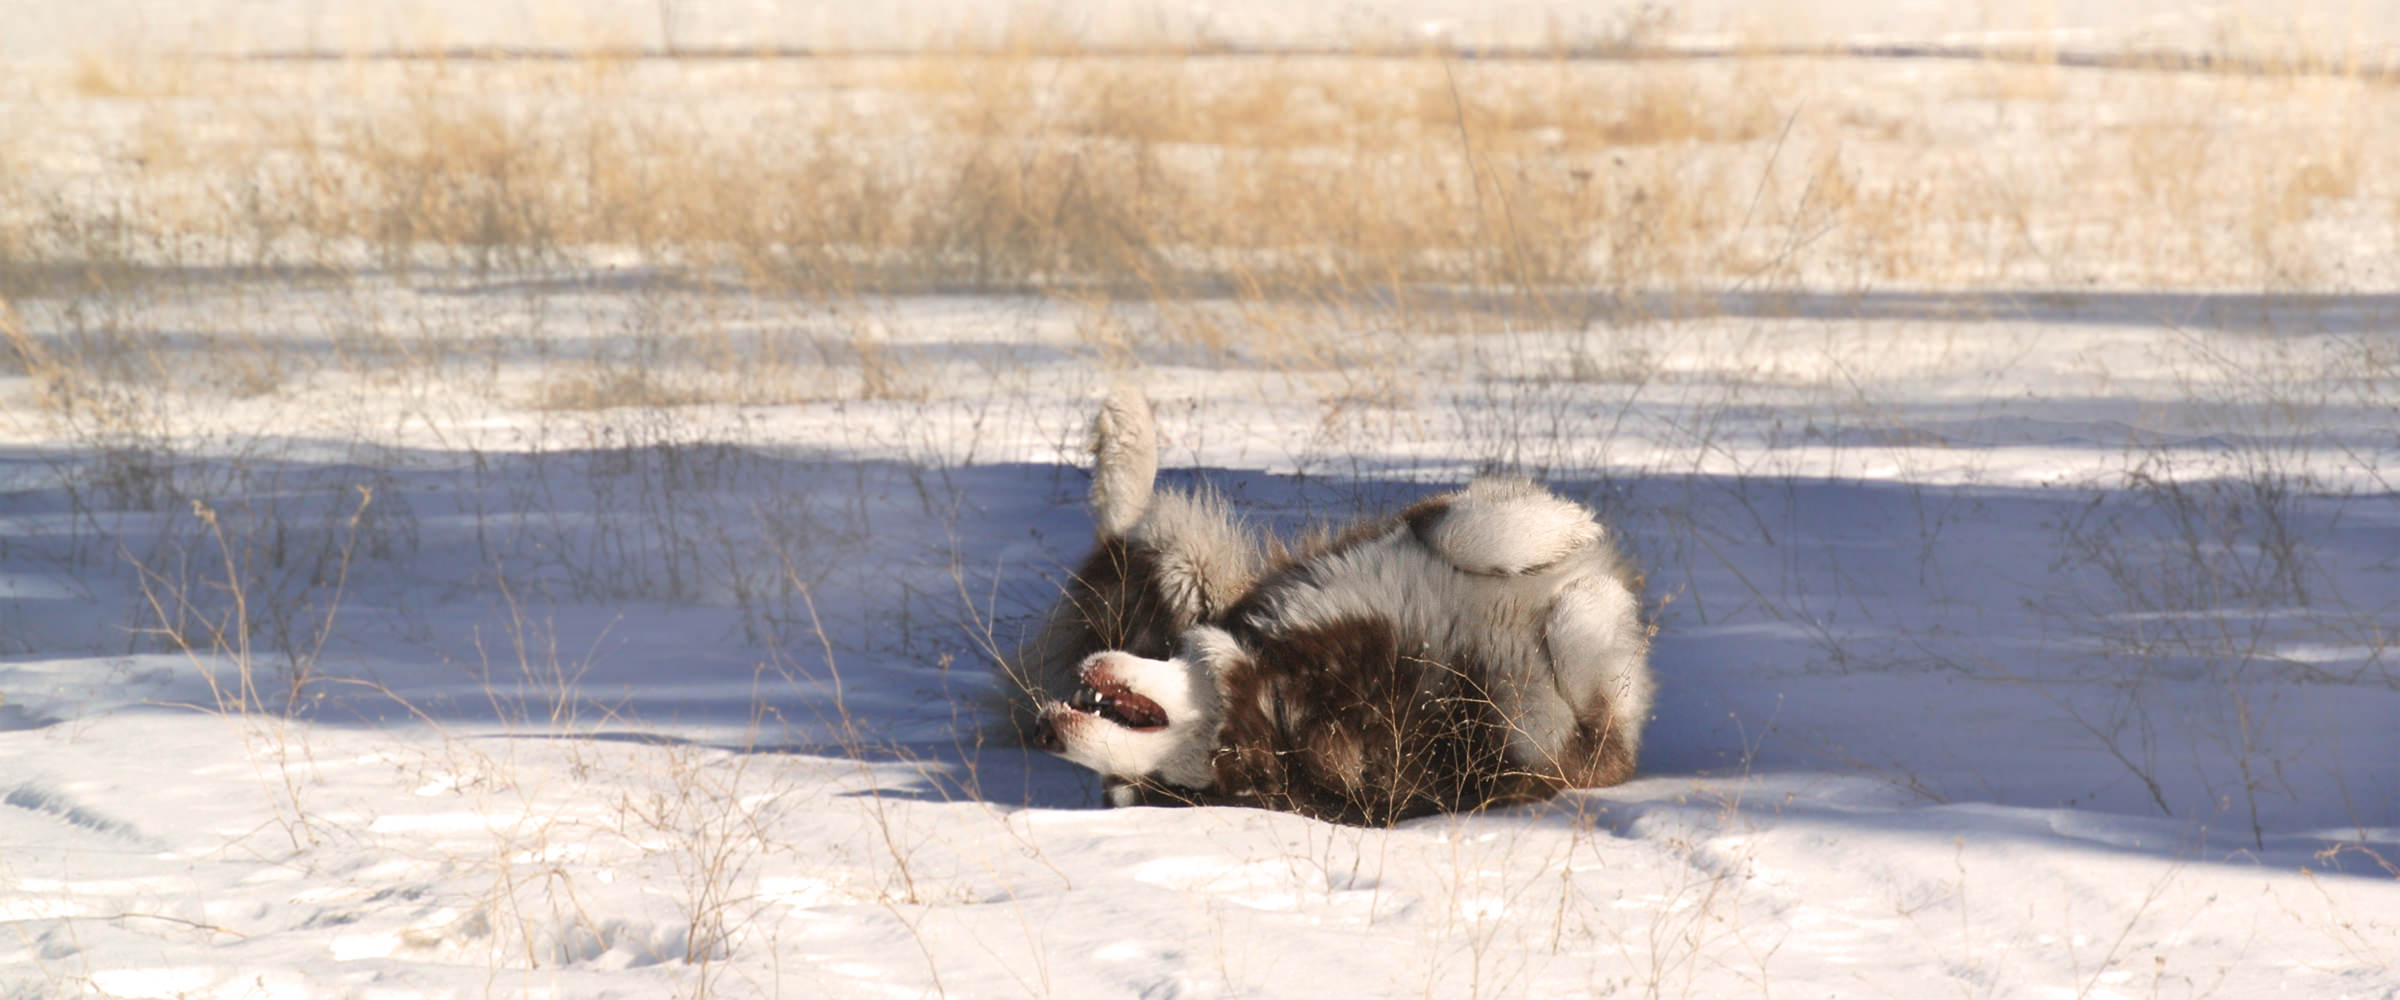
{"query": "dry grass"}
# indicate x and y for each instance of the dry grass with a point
(23, 354)
(1319, 175)
(1327, 206)
(1271, 205)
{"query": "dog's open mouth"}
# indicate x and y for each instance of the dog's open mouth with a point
(1117, 703)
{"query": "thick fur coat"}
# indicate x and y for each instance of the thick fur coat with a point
(1481, 647)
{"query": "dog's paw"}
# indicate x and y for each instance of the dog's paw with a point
(1125, 461)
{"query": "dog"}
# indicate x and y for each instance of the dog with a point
(1479, 648)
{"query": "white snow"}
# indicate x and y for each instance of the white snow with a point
(1946, 703)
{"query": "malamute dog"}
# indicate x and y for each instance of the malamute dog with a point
(1480, 647)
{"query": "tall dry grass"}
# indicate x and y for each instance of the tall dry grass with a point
(1045, 168)
(1272, 205)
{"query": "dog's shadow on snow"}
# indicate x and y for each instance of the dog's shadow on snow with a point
(1001, 776)
(1883, 654)
(931, 771)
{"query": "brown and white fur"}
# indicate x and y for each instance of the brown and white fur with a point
(1481, 647)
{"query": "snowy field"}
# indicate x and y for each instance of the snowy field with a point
(416, 583)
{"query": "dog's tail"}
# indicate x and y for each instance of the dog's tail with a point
(1125, 453)
(1505, 527)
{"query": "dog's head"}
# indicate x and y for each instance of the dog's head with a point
(1143, 721)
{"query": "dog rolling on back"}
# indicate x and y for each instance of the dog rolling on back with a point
(1482, 647)
(1162, 563)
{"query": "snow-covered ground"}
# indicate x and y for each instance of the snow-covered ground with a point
(2020, 657)
(572, 631)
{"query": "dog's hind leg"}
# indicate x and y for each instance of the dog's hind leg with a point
(1599, 653)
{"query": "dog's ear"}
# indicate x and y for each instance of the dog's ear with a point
(1125, 460)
